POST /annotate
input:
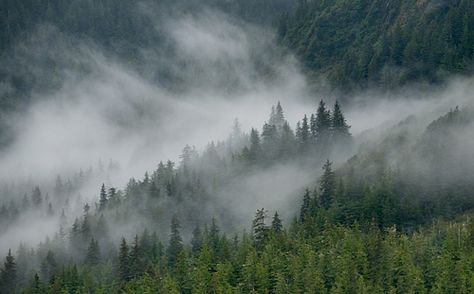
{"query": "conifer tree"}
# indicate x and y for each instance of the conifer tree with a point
(8, 275)
(93, 253)
(340, 128)
(214, 237)
(255, 147)
(196, 241)
(287, 142)
(259, 228)
(112, 195)
(313, 127)
(124, 261)
(304, 135)
(37, 287)
(176, 243)
(327, 186)
(103, 198)
(322, 127)
(277, 117)
(277, 226)
(36, 197)
(306, 206)
(269, 141)
(136, 258)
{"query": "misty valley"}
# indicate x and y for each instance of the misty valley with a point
(236, 146)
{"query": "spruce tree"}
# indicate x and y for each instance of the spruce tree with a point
(340, 128)
(287, 142)
(196, 241)
(306, 206)
(322, 127)
(327, 186)
(124, 261)
(277, 117)
(313, 127)
(304, 135)
(8, 275)
(103, 198)
(214, 237)
(277, 226)
(93, 253)
(260, 229)
(255, 147)
(136, 258)
(36, 197)
(269, 141)
(176, 243)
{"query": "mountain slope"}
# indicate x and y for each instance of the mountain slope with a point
(360, 43)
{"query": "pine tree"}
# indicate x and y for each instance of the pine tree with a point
(49, 266)
(269, 141)
(93, 253)
(306, 206)
(340, 128)
(187, 155)
(136, 259)
(304, 135)
(323, 127)
(277, 226)
(313, 127)
(260, 229)
(112, 196)
(287, 142)
(36, 197)
(176, 243)
(277, 117)
(103, 198)
(327, 186)
(37, 287)
(124, 261)
(8, 275)
(196, 241)
(85, 229)
(214, 238)
(255, 148)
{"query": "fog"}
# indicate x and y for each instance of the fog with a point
(102, 109)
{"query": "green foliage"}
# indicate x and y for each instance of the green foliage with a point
(357, 44)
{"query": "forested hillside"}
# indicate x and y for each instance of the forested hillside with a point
(188, 146)
(382, 43)
(376, 224)
(124, 30)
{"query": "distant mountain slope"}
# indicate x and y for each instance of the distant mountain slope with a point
(383, 42)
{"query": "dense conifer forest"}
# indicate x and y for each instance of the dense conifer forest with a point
(382, 43)
(194, 147)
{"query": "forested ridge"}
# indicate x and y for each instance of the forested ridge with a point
(365, 227)
(360, 44)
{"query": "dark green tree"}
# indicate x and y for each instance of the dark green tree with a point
(175, 245)
(340, 128)
(93, 253)
(196, 241)
(124, 261)
(8, 275)
(103, 198)
(277, 225)
(255, 148)
(260, 229)
(323, 127)
(327, 186)
(305, 210)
